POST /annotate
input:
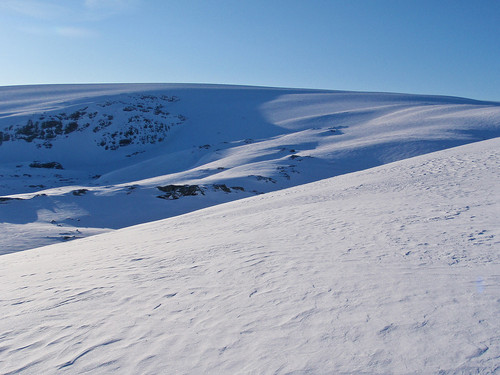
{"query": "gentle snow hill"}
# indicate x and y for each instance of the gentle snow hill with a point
(77, 160)
(390, 270)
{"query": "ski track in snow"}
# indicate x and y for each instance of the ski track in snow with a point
(118, 142)
(390, 270)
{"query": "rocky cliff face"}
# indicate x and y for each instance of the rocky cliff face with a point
(136, 119)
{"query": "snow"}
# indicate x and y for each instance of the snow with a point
(393, 269)
(253, 140)
(298, 231)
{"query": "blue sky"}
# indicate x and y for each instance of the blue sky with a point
(433, 47)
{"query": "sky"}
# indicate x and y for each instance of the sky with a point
(445, 47)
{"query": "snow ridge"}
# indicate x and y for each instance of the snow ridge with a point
(77, 160)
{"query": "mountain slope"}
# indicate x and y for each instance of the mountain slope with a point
(389, 270)
(77, 160)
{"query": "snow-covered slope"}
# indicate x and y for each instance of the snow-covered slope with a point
(390, 270)
(77, 160)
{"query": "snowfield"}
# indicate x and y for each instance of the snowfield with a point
(393, 269)
(78, 160)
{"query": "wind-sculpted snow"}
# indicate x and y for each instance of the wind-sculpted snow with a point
(82, 159)
(390, 270)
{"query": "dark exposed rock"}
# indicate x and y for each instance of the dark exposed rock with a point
(48, 165)
(51, 124)
(177, 191)
(27, 132)
(76, 115)
(337, 129)
(71, 127)
(125, 142)
(7, 199)
(79, 192)
(150, 122)
(263, 178)
(222, 187)
(131, 188)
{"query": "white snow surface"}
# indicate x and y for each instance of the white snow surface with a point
(394, 269)
(117, 143)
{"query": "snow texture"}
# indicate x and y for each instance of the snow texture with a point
(394, 269)
(77, 160)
